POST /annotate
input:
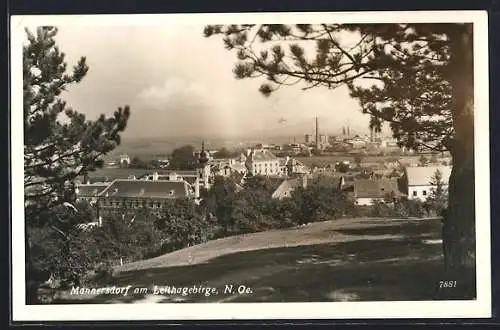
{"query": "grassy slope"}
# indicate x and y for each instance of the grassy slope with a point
(342, 260)
(314, 233)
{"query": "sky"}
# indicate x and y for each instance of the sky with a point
(180, 84)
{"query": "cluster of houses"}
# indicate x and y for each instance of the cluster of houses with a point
(415, 183)
(154, 190)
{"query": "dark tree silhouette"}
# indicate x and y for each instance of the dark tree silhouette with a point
(438, 196)
(224, 153)
(183, 158)
(60, 144)
(422, 78)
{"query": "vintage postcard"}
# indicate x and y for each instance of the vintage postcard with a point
(287, 165)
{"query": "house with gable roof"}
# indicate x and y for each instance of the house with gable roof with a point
(366, 191)
(417, 180)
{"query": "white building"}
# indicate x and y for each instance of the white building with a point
(124, 160)
(262, 162)
(418, 180)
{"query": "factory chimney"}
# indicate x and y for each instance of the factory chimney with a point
(317, 133)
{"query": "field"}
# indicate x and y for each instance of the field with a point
(367, 160)
(361, 259)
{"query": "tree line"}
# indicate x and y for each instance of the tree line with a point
(181, 158)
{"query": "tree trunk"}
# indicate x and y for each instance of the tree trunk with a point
(459, 224)
(31, 279)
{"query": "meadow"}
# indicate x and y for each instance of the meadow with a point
(358, 259)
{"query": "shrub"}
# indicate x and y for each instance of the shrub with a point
(183, 224)
(319, 203)
(401, 208)
(381, 209)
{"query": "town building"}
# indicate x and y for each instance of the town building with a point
(124, 195)
(191, 177)
(418, 180)
(365, 192)
(289, 167)
(286, 187)
(227, 169)
(357, 142)
(197, 178)
(272, 146)
(262, 162)
(389, 143)
(324, 139)
(295, 148)
(226, 166)
(124, 160)
(90, 191)
(163, 163)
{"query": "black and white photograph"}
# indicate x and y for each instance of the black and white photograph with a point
(287, 165)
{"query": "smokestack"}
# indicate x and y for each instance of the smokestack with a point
(317, 133)
(348, 131)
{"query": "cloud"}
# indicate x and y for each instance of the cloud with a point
(179, 83)
(186, 107)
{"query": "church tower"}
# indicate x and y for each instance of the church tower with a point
(203, 166)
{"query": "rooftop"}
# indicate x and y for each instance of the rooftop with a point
(238, 167)
(147, 189)
(90, 190)
(262, 155)
(165, 174)
(286, 186)
(422, 175)
(375, 188)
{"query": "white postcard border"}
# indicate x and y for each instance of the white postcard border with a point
(481, 307)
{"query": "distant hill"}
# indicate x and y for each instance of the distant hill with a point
(157, 147)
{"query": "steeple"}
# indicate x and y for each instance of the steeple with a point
(203, 166)
(204, 155)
